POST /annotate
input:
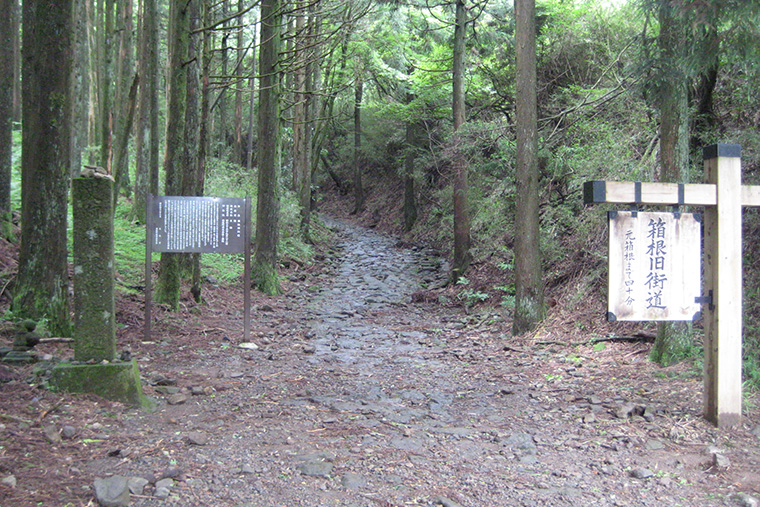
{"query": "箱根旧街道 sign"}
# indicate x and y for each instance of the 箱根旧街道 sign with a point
(655, 266)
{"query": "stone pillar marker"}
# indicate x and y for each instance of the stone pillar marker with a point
(94, 325)
(95, 368)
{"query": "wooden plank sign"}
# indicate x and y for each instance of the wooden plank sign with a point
(654, 266)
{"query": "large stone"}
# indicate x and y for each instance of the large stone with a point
(112, 491)
(113, 381)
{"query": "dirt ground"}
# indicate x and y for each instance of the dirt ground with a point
(365, 385)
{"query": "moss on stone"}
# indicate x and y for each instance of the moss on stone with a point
(118, 381)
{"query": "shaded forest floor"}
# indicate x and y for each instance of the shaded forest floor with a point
(369, 384)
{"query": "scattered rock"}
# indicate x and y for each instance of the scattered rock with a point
(197, 438)
(445, 502)
(68, 432)
(316, 468)
(654, 445)
(625, 411)
(168, 390)
(248, 346)
(166, 482)
(720, 461)
(353, 481)
(170, 473)
(641, 473)
(744, 500)
(9, 481)
(51, 434)
(112, 491)
(137, 485)
(177, 399)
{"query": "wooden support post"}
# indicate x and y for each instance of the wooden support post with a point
(723, 280)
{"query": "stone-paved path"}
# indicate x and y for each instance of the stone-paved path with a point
(358, 398)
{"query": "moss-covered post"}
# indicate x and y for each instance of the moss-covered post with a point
(94, 325)
(95, 368)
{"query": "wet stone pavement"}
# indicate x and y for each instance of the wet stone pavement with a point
(359, 398)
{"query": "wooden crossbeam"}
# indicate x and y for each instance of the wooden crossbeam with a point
(723, 197)
(661, 194)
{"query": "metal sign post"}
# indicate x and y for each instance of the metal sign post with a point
(722, 197)
(187, 224)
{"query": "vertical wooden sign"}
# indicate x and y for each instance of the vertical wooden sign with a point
(655, 266)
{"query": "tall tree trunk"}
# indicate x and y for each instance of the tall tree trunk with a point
(264, 269)
(81, 86)
(125, 82)
(170, 267)
(15, 17)
(203, 134)
(225, 79)
(192, 183)
(146, 171)
(106, 87)
(237, 144)
(6, 117)
(529, 294)
(301, 161)
(42, 286)
(410, 205)
(94, 37)
(358, 187)
(674, 339)
(251, 108)
(462, 256)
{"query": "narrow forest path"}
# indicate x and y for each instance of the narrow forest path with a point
(353, 396)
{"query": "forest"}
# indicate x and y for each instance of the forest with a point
(430, 303)
(467, 126)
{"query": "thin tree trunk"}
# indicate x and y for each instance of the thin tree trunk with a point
(238, 139)
(124, 114)
(15, 17)
(264, 270)
(42, 283)
(674, 339)
(203, 135)
(191, 184)
(462, 256)
(222, 101)
(529, 294)
(358, 187)
(410, 206)
(106, 99)
(81, 86)
(301, 162)
(251, 108)
(6, 117)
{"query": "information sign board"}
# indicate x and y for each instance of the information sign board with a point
(655, 266)
(197, 224)
(188, 224)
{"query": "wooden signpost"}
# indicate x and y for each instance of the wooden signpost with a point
(722, 197)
